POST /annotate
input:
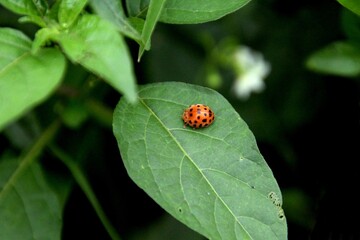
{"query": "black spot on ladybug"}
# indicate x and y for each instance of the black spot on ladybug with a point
(204, 120)
(191, 110)
(205, 114)
(205, 108)
(206, 125)
(198, 105)
(190, 121)
(200, 125)
(191, 114)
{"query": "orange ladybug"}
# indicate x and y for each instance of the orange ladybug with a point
(198, 116)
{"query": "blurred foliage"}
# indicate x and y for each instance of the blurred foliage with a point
(306, 124)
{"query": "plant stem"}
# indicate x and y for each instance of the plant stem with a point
(84, 184)
(30, 156)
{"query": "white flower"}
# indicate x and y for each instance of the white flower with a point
(251, 69)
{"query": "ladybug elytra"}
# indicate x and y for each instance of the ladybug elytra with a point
(198, 116)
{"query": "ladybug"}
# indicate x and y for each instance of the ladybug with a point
(198, 116)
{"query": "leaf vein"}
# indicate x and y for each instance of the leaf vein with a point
(192, 162)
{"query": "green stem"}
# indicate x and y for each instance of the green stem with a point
(30, 156)
(44, 139)
(86, 188)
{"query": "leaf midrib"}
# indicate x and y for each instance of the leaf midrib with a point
(14, 62)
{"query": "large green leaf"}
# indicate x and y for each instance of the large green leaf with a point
(26, 7)
(213, 179)
(25, 79)
(351, 5)
(96, 44)
(13, 44)
(188, 11)
(69, 10)
(338, 58)
(29, 209)
(112, 11)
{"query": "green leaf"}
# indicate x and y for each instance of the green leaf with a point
(112, 11)
(25, 79)
(187, 12)
(33, 19)
(351, 5)
(43, 36)
(96, 45)
(74, 114)
(41, 6)
(212, 179)
(29, 209)
(339, 58)
(26, 7)
(69, 10)
(13, 44)
(53, 12)
(137, 8)
(152, 17)
(84, 184)
(182, 12)
(350, 23)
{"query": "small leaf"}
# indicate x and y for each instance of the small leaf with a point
(351, 5)
(138, 24)
(112, 11)
(25, 79)
(96, 45)
(41, 6)
(152, 17)
(29, 209)
(69, 10)
(74, 114)
(33, 19)
(53, 12)
(137, 8)
(43, 36)
(212, 179)
(339, 58)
